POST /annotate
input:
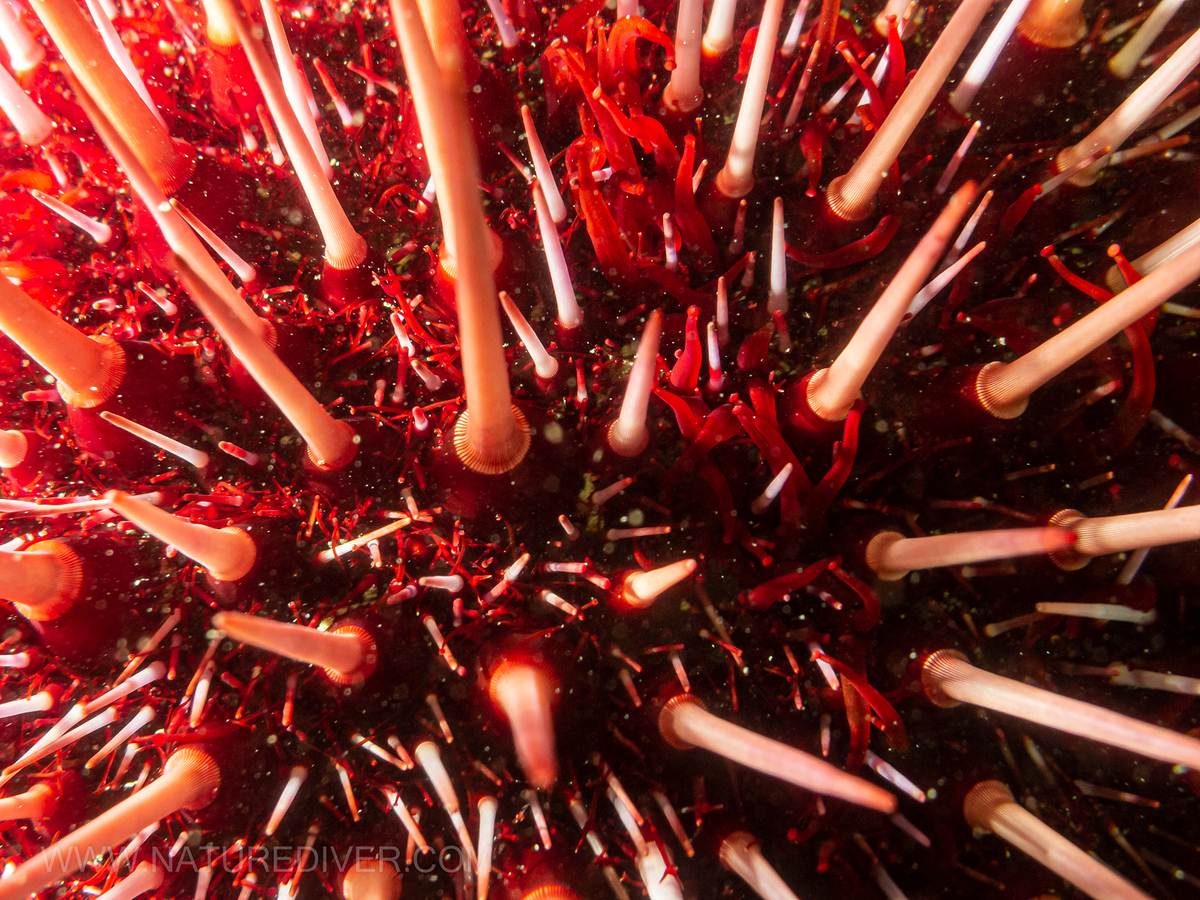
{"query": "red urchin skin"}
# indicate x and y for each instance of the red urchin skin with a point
(911, 462)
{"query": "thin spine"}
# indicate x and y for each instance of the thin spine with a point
(722, 312)
(509, 38)
(968, 230)
(148, 876)
(541, 167)
(763, 501)
(339, 102)
(296, 779)
(144, 717)
(777, 296)
(147, 676)
(683, 93)
(103, 720)
(921, 299)
(487, 807)
(1134, 563)
(716, 378)
(99, 232)
(431, 762)
(291, 77)
(629, 436)
(570, 316)
(544, 364)
(345, 248)
(793, 113)
(116, 49)
(396, 801)
(963, 95)
(240, 267)
(956, 160)
(791, 40)
(189, 455)
(670, 254)
(736, 178)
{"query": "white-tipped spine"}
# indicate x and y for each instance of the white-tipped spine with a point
(737, 177)
(241, 268)
(791, 40)
(772, 490)
(778, 301)
(24, 53)
(97, 231)
(629, 436)
(718, 38)
(569, 314)
(297, 92)
(487, 830)
(120, 56)
(508, 34)
(541, 167)
(39, 702)
(430, 759)
(146, 877)
(190, 455)
(33, 125)
(544, 364)
(963, 95)
(716, 377)
(741, 854)
(143, 718)
(148, 675)
(295, 781)
(684, 93)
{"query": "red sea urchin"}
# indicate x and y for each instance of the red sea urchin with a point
(480, 613)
